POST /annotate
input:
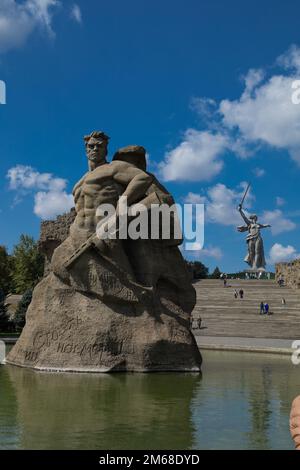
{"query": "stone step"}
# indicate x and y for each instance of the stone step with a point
(223, 315)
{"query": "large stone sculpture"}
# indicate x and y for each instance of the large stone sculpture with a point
(111, 304)
(255, 257)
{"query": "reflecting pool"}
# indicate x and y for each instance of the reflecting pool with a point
(242, 401)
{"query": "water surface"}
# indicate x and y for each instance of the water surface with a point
(242, 401)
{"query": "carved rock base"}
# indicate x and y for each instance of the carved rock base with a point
(70, 331)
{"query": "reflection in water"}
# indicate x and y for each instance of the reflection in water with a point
(260, 408)
(8, 413)
(242, 402)
(83, 411)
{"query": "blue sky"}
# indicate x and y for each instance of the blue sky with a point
(205, 86)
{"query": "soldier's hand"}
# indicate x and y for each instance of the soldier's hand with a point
(99, 244)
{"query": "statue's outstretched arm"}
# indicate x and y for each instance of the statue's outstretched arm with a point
(242, 228)
(265, 225)
(247, 221)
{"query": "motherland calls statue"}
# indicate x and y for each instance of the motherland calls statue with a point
(111, 304)
(255, 256)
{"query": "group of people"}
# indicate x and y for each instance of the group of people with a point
(195, 323)
(264, 308)
(239, 294)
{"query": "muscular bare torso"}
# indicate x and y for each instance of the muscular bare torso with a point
(104, 185)
(95, 188)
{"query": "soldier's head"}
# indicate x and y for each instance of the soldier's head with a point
(96, 147)
(253, 218)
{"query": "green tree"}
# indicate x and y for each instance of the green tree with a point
(216, 273)
(20, 315)
(5, 271)
(197, 269)
(6, 325)
(27, 264)
(200, 270)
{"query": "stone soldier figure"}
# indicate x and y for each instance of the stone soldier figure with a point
(103, 184)
(140, 264)
(111, 305)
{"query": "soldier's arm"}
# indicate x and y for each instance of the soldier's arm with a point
(135, 180)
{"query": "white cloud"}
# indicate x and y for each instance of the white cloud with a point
(48, 205)
(252, 79)
(259, 172)
(221, 208)
(290, 59)
(209, 252)
(212, 252)
(269, 116)
(51, 198)
(193, 198)
(196, 158)
(279, 253)
(265, 113)
(19, 20)
(221, 203)
(26, 177)
(207, 108)
(278, 221)
(196, 251)
(76, 14)
(280, 201)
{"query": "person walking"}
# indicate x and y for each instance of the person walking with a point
(262, 308)
(266, 308)
(241, 293)
(235, 294)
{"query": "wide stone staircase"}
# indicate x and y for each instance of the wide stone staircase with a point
(223, 315)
